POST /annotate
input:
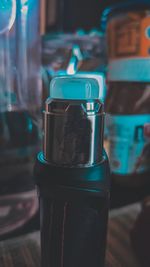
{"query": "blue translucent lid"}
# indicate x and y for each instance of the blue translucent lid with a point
(80, 86)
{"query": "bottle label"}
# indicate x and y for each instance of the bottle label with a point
(129, 35)
(128, 143)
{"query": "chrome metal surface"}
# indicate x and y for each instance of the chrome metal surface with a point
(73, 132)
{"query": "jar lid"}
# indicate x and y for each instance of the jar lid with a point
(131, 5)
(133, 70)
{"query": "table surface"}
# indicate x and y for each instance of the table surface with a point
(24, 251)
(120, 197)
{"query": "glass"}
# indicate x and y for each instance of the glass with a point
(20, 96)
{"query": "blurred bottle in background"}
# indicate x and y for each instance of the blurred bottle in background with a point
(128, 96)
(20, 103)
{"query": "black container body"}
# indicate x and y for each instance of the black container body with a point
(73, 232)
(74, 211)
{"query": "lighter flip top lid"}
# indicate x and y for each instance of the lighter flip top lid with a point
(85, 86)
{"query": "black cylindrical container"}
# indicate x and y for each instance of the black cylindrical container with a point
(72, 175)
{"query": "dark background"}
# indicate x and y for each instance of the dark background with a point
(74, 14)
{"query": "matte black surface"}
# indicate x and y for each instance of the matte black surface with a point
(91, 180)
(74, 210)
(73, 233)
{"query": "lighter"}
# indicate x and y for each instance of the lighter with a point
(72, 175)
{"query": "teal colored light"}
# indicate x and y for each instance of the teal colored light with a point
(30, 126)
(5, 5)
(104, 18)
(148, 32)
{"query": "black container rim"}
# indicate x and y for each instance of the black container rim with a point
(94, 180)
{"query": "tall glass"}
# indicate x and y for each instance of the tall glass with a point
(20, 101)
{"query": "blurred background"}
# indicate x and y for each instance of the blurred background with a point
(80, 14)
(43, 39)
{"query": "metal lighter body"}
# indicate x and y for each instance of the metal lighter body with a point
(72, 175)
